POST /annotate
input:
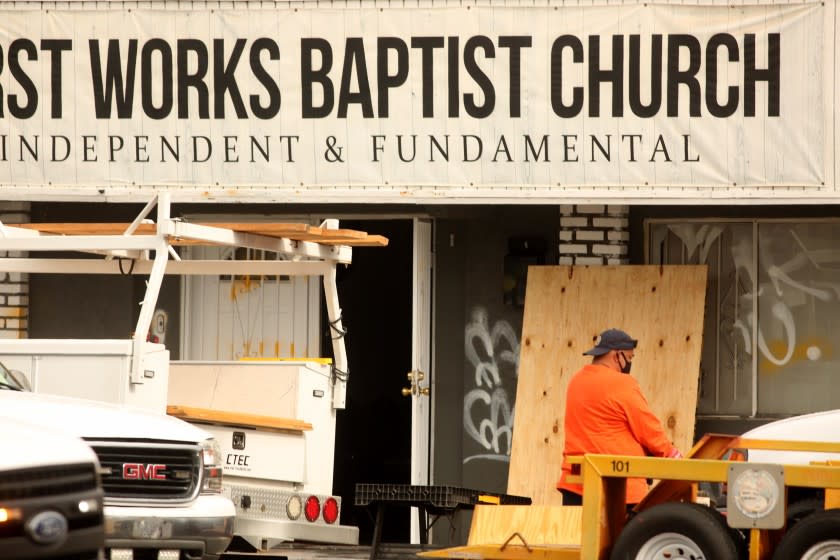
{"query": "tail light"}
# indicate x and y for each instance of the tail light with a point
(312, 508)
(330, 510)
(294, 507)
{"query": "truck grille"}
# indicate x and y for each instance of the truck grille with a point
(149, 471)
(47, 481)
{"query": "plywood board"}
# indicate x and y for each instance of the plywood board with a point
(270, 391)
(227, 418)
(535, 525)
(566, 308)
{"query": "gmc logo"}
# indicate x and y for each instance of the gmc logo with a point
(139, 471)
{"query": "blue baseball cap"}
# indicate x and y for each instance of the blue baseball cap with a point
(611, 339)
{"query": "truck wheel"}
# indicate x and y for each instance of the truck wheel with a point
(800, 509)
(675, 531)
(816, 537)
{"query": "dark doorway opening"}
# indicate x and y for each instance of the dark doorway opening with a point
(373, 432)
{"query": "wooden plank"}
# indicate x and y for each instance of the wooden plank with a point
(367, 241)
(510, 552)
(193, 414)
(296, 232)
(270, 229)
(98, 228)
(535, 525)
(565, 309)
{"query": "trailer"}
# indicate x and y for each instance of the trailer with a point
(675, 520)
(278, 456)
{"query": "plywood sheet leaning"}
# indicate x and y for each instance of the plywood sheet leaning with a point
(543, 525)
(565, 309)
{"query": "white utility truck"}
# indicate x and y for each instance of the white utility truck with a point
(161, 476)
(275, 500)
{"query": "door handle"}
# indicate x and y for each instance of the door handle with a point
(414, 377)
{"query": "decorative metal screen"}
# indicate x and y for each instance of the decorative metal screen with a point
(771, 336)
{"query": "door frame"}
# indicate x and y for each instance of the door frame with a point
(421, 355)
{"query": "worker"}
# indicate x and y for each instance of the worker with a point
(607, 413)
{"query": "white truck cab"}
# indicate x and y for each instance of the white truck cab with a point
(50, 492)
(817, 426)
(50, 495)
(162, 477)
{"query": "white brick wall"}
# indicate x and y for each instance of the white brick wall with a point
(594, 234)
(14, 287)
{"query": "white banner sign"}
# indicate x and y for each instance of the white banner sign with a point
(644, 96)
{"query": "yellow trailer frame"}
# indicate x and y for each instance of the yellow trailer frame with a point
(603, 514)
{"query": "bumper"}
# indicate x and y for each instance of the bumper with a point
(82, 534)
(256, 531)
(80, 544)
(203, 528)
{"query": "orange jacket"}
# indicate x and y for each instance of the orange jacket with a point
(607, 413)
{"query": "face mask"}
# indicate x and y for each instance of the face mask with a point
(627, 363)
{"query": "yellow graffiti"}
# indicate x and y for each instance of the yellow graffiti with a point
(244, 285)
(812, 349)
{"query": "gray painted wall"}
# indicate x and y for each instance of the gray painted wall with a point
(476, 345)
(95, 306)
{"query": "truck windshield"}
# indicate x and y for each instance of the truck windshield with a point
(8, 381)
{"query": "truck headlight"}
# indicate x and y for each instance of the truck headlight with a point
(211, 458)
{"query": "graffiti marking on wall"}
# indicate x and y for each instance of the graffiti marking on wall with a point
(782, 288)
(488, 414)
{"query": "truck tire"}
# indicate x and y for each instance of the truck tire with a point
(800, 509)
(816, 537)
(675, 531)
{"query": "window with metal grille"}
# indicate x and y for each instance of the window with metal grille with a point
(771, 344)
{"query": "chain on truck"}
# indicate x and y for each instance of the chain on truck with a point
(276, 500)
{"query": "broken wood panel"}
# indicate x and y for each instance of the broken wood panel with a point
(565, 309)
(535, 525)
